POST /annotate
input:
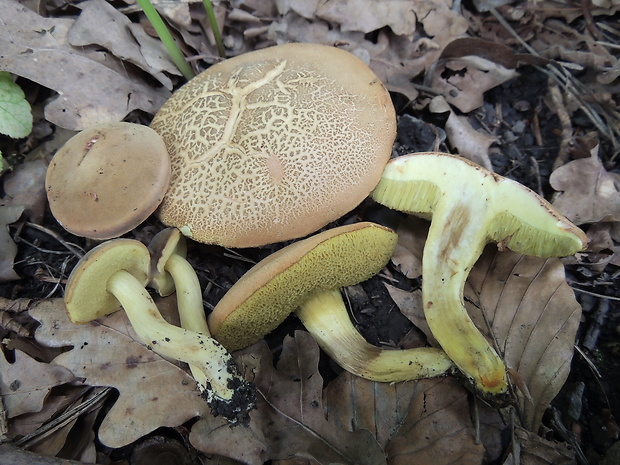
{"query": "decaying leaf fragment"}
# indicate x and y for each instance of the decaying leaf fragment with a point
(588, 192)
(8, 248)
(468, 67)
(470, 143)
(25, 384)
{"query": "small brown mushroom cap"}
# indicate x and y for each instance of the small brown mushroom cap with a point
(86, 295)
(108, 179)
(277, 285)
(274, 144)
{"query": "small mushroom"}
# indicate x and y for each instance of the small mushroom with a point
(113, 275)
(169, 271)
(274, 144)
(308, 274)
(108, 179)
(469, 206)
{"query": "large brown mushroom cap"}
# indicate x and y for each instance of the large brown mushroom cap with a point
(274, 144)
(108, 179)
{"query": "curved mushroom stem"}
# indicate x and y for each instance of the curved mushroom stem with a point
(189, 295)
(455, 242)
(213, 363)
(191, 310)
(325, 316)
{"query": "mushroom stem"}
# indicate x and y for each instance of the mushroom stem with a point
(325, 316)
(456, 227)
(170, 341)
(193, 318)
(189, 296)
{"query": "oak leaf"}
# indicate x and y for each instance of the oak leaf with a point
(26, 383)
(588, 192)
(153, 392)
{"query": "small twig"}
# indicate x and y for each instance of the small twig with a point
(590, 363)
(595, 294)
(4, 426)
(237, 256)
(75, 250)
(587, 16)
(48, 428)
(536, 173)
(565, 123)
(594, 331)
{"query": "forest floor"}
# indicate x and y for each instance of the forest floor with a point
(527, 89)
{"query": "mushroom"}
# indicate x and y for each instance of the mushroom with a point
(308, 274)
(108, 179)
(469, 206)
(170, 270)
(274, 144)
(114, 275)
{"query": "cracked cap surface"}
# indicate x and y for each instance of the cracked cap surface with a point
(274, 144)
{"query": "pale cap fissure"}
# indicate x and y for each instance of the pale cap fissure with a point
(274, 144)
(108, 179)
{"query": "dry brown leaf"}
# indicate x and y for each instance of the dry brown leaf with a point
(469, 66)
(100, 23)
(397, 55)
(367, 16)
(588, 192)
(531, 449)
(93, 86)
(533, 317)
(289, 422)
(469, 142)
(153, 391)
(8, 248)
(293, 396)
(426, 421)
(242, 443)
(25, 383)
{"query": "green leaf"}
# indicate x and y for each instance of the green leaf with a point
(15, 112)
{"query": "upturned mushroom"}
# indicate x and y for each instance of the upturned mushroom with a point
(274, 144)
(469, 206)
(113, 275)
(108, 179)
(305, 277)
